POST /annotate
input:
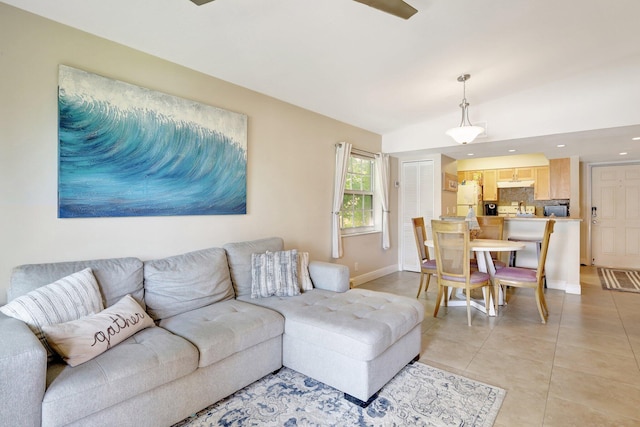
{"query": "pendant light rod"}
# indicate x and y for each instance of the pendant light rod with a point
(466, 132)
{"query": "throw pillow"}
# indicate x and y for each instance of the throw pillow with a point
(69, 298)
(81, 340)
(274, 273)
(304, 278)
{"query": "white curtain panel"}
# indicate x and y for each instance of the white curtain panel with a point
(383, 177)
(343, 151)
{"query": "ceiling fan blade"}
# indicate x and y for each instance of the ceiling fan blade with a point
(201, 2)
(395, 7)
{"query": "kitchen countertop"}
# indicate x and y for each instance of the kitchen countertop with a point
(541, 218)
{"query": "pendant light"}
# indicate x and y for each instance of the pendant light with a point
(466, 132)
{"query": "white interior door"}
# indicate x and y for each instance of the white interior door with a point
(615, 216)
(417, 198)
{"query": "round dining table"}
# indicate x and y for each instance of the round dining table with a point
(483, 248)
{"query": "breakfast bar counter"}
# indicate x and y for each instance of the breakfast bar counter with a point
(563, 260)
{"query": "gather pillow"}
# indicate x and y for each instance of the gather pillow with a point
(274, 273)
(69, 298)
(83, 339)
(304, 279)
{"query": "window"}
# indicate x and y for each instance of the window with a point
(359, 201)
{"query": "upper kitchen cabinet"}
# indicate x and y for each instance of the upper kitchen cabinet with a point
(541, 188)
(489, 185)
(470, 176)
(515, 174)
(560, 178)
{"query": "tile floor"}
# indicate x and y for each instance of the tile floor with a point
(582, 368)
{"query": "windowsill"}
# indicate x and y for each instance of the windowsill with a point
(361, 233)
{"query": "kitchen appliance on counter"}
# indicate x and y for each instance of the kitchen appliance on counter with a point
(514, 210)
(490, 209)
(469, 196)
(556, 210)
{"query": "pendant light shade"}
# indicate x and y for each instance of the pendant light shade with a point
(466, 132)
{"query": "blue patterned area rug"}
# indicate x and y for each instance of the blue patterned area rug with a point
(419, 395)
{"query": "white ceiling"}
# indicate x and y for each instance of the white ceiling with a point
(356, 64)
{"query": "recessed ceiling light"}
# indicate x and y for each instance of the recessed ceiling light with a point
(624, 153)
(470, 154)
(512, 151)
(561, 145)
(637, 138)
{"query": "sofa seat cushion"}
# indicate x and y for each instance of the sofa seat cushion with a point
(359, 323)
(225, 328)
(148, 359)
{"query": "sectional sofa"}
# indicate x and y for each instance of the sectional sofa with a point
(197, 335)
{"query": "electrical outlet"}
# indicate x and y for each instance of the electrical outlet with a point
(355, 266)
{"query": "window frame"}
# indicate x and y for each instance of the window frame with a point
(376, 207)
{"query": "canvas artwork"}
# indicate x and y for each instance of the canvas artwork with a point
(129, 151)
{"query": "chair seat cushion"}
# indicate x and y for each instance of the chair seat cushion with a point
(476, 277)
(498, 264)
(429, 264)
(516, 274)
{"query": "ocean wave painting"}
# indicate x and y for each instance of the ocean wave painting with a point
(130, 151)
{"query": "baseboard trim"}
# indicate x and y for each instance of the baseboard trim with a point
(372, 275)
(569, 288)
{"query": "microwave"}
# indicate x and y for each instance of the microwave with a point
(556, 210)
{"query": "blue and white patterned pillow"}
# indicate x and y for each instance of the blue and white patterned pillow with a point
(69, 298)
(274, 273)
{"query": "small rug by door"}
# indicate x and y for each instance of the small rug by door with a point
(619, 280)
(419, 395)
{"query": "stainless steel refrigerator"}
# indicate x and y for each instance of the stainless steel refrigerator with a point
(469, 195)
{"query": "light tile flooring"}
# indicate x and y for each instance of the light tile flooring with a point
(582, 368)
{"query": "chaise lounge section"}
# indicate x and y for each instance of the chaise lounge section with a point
(353, 340)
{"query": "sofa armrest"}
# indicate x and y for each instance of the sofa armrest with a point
(23, 372)
(330, 277)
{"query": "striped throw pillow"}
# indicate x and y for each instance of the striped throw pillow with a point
(67, 299)
(274, 273)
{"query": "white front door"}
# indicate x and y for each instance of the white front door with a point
(615, 216)
(417, 198)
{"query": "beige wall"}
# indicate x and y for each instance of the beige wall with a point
(290, 160)
(503, 162)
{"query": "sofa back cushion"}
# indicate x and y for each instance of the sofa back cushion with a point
(185, 282)
(116, 277)
(239, 256)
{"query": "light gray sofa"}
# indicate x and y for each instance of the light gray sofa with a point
(211, 340)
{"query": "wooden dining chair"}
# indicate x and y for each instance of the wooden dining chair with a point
(492, 227)
(451, 242)
(527, 278)
(427, 265)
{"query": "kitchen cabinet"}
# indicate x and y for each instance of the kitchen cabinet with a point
(470, 176)
(560, 178)
(515, 174)
(489, 185)
(541, 189)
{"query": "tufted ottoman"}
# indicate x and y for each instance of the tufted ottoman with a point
(354, 341)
